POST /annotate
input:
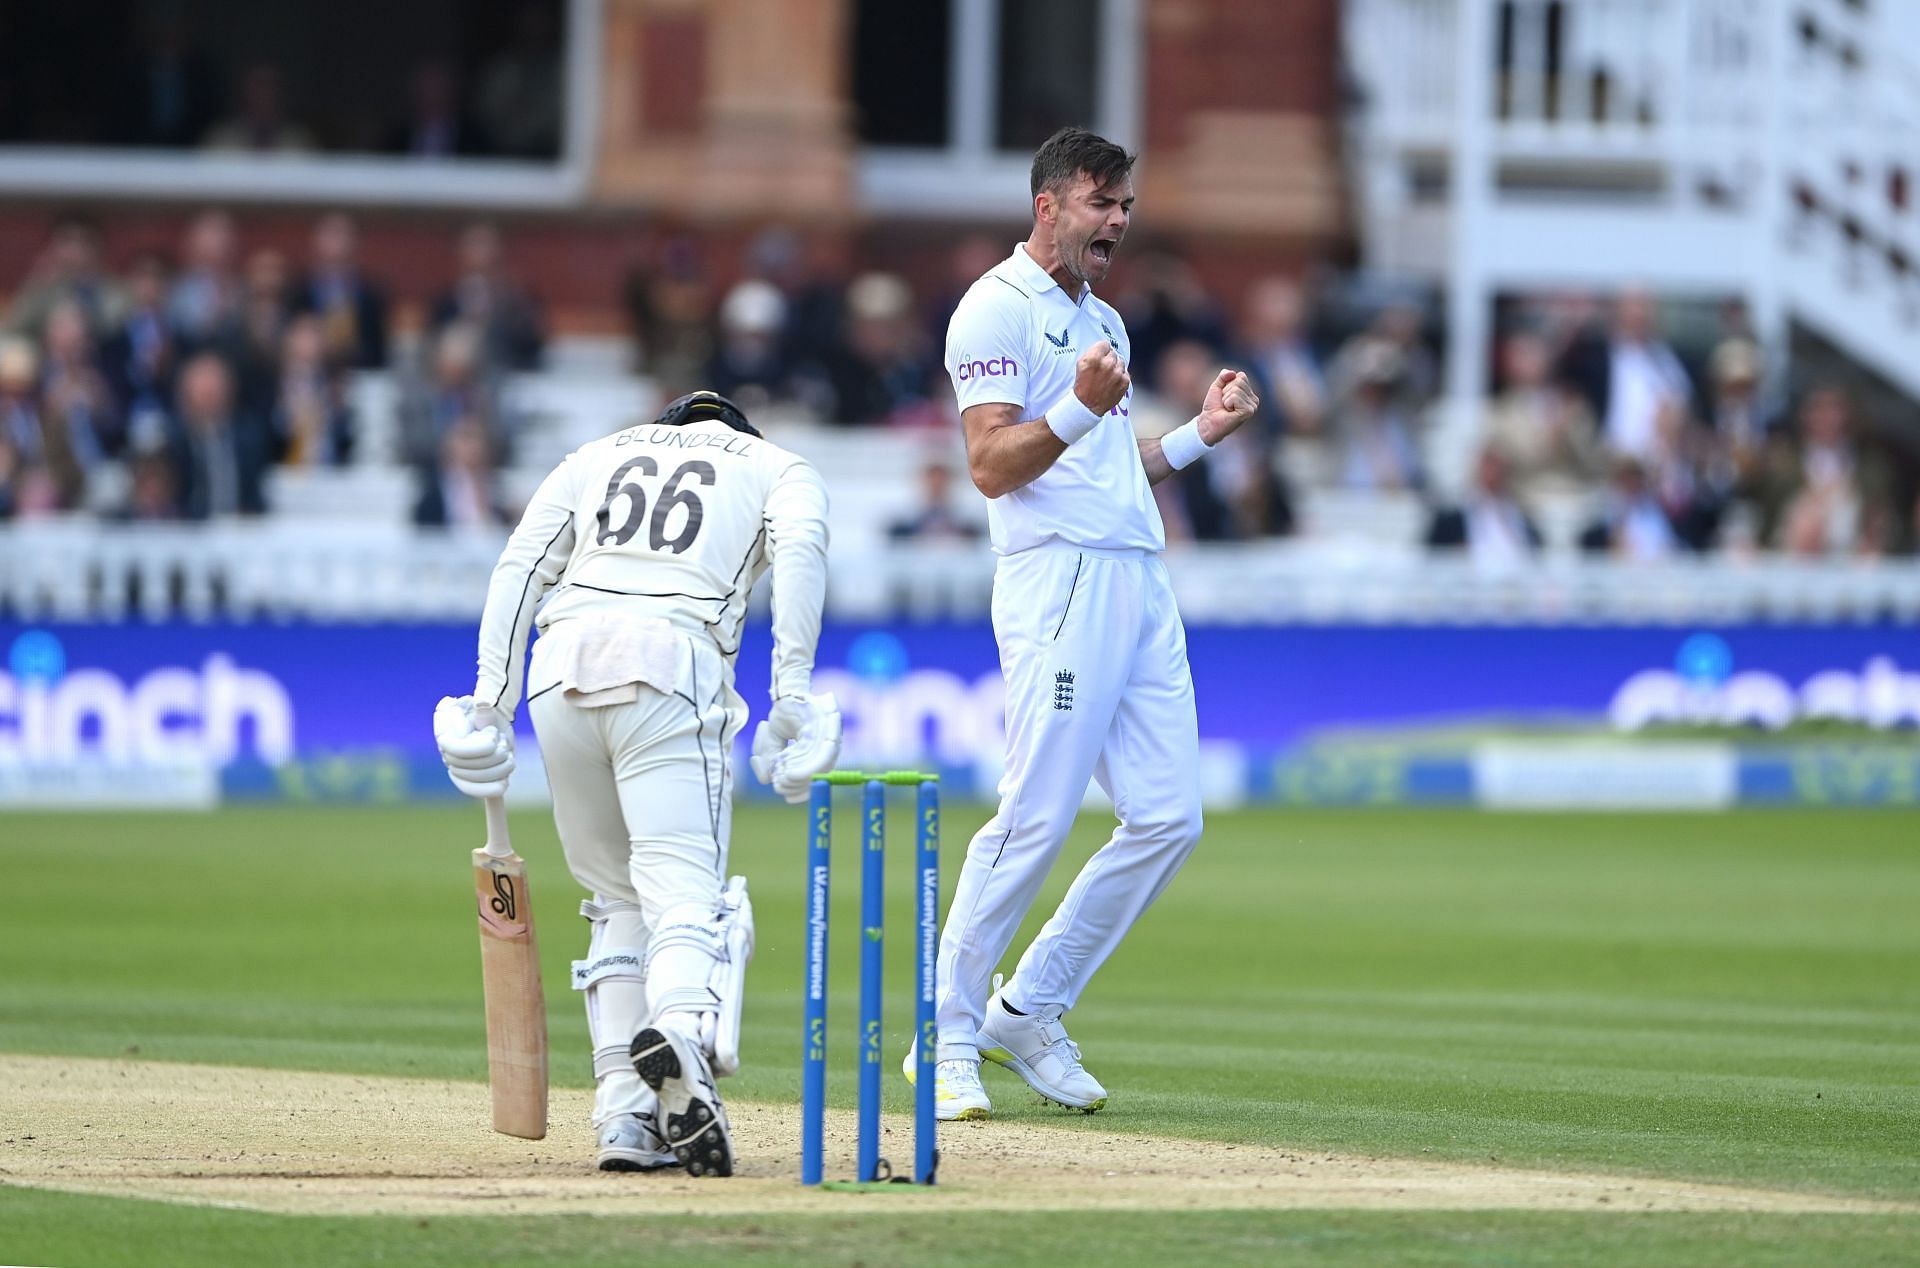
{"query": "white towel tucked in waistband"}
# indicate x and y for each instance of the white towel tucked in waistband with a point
(600, 660)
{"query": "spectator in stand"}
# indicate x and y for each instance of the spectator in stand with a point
(1543, 433)
(1629, 375)
(671, 302)
(264, 311)
(352, 310)
(219, 452)
(436, 127)
(518, 101)
(67, 270)
(37, 474)
(1736, 418)
(455, 387)
(1171, 306)
(1287, 371)
(312, 424)
(261, 126)
(203, 308)
(153, 490)
(1632, 524)
(1374, 430)
(749, 365)
(75, 396)
(1686, 478)
(138, 358)
(882, 373)
(486, 297)
(171, 93)
(1402, 325)
(457, 491)
(1820, 492)
(1490, 525)
(936, 519)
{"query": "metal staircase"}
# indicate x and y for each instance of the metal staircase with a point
(1765, 149)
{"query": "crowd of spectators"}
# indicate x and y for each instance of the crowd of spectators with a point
(173, 87)
(168, 391)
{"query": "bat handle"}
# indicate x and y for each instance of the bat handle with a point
(498, 843)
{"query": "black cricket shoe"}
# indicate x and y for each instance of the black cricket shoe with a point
(696, 1123)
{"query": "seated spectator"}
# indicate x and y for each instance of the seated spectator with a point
(74, 393)
(51, 469)
(203, 308)
(1544, 433)
(1170, 305)
(312, 423)
(219, 452)
(1687, 477)
(457, 489)
(264, 309)
(518, 101)
(1629, 375)
(261, 126)
(748, 364)
(67, 270)
(1820, 491)
(670, 299)
(138, 358)
(1490, 525)
(487, 298)
(1292, 387)
(1738, 422)
(1632, 524)
(1375, 432)
(936, 519)
(436, 127)
(352, 310)
(454, 387)
(153, 491)
(881, 373)
(1402, 325)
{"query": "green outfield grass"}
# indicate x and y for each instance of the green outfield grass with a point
(1731, 997)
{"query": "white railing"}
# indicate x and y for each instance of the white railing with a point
(83, 570)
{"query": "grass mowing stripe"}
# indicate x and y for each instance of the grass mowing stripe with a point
(90, 1232)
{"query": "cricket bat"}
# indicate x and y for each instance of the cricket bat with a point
(510, 972)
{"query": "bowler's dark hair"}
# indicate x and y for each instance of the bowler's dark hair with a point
(1071, 151)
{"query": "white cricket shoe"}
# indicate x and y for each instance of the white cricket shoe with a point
(1039, 1051)
(957, 1094)
(632, 1142)
(674, 1065)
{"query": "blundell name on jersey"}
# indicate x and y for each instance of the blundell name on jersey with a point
(681, 438)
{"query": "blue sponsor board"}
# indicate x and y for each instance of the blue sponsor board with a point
(331, 712)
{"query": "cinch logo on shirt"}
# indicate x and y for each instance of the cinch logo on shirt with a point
(995, 368)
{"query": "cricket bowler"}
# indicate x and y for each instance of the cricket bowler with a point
(635, 559)
(1091, 645)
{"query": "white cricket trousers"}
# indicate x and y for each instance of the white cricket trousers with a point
(643, 792)
(1098, 687)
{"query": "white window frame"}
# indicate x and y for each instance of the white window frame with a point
(341, 179)
(970, 178)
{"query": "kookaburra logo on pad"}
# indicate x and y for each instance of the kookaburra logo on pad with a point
(1063, 690)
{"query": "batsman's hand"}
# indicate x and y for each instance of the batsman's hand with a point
(799, 739)
(479, 758)
(1230, 402)
(1100, 380)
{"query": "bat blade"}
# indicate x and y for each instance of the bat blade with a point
(510, 973)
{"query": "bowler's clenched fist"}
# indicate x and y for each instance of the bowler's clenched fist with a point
(1100, 380)
(1230, 402)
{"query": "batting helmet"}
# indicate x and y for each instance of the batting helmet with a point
(696, 407)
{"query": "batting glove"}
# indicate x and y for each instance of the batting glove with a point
(799, 739)
(479, 758)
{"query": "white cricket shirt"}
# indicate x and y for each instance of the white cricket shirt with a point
(1016, 338)
(670, 525)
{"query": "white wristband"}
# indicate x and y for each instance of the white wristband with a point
(1182, 446)
(1070, 419)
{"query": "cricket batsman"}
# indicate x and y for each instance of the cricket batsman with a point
(635, 559)
(1091, 645)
